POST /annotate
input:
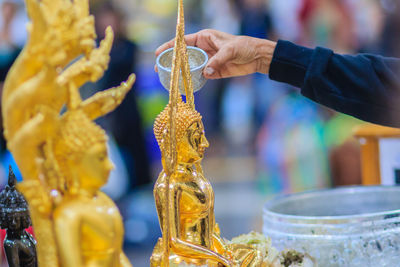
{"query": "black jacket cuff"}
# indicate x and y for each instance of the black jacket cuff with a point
(290, 63)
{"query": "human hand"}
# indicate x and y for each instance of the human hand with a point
(229, 55)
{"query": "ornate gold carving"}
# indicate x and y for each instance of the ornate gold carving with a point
(185, 117)
(63, 156)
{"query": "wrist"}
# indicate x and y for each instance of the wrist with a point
(265, 52)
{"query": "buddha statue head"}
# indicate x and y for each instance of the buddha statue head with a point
(14, 212)
(190, 139)
(81, 152)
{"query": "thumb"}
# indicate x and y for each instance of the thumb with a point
(217, 63)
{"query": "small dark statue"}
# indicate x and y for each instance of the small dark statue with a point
(19, 245)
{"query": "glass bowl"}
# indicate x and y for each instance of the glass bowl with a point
(197, 62)
(349, 226)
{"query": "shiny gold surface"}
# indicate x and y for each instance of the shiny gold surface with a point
(63, 155)
(184, 197)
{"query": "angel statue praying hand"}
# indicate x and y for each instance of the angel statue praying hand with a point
(62, 155)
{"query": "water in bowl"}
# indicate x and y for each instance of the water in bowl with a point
(353, 226)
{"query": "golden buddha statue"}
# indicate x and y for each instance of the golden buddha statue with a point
(184, 197)
(61, 152)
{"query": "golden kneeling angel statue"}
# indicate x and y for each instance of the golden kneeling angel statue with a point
(61, 152)
(184, 197)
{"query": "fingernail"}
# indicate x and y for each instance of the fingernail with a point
(209, 71)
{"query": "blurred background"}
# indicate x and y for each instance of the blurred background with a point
(265, 138)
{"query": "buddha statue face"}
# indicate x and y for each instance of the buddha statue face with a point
(193, 144)
(190, 139)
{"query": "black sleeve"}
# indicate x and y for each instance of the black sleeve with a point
(364, 86)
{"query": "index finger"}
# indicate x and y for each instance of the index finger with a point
(165, 46)
(190, 39)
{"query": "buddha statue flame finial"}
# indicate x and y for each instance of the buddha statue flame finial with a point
(63, 155)
(166, 124)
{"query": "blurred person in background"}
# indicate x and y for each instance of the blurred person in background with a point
(12, 33)
(223, 15)
(124, 123)
(13, 36)
(285, 18)
(291, 152)
(256, 22)
(255, 18)
(239, 105)
(291, 118)
(390, 41)
(333, 24)
(328, 23)
(237, 116)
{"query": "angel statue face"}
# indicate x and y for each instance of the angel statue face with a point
(94, 166)
(82, 153)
